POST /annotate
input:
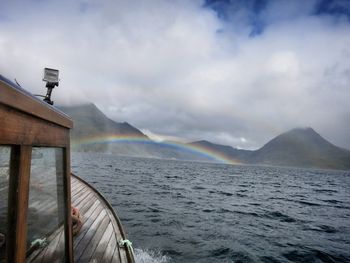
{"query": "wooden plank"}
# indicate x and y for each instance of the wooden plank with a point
(125, 253)
(89, 220)
(91, 210)
(109, 208)
(118, 235)
(85, 203)
(68, 225)
(94, 241)
(77, 199)
(87, 206)
(76, 186)
(109, 252)
(98, 238)
(73, 182)
(19, 128)
(24, 102)
(37, 255)
(51, 252)
(82, 199)
(117, 256)
(102, 246)
(80, 190)
(18, 203)
(59, 253)
(43, 206)
(80, 193)
(80, 247)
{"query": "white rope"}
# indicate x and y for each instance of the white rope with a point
(127, 243)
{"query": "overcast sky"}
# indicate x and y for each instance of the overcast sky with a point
(232, 72)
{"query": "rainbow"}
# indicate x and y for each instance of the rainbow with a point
(200, 151)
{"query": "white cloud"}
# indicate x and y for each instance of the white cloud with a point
(174, 68)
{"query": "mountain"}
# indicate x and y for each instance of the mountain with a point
(228, 151)
(90, 122)
(302, 147)
(92, 130)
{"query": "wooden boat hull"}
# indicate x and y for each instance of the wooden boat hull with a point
(97, 240)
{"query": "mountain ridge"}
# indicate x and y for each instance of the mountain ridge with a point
(89, 113)
(300, 147)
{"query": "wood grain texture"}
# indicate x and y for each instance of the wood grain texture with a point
(104, 232)
(98, 238)
(18, 128)
(68, 201)
(22, 202)
(24, 102)
(18, 203)
(26, 122)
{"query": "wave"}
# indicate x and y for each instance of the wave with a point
(308, 203)
(149, 256)
(249, 218)
(313, 255)
(280, 216)
(321, 228)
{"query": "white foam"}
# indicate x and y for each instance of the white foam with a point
(149, 256)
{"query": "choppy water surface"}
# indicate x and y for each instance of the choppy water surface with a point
(198, 212)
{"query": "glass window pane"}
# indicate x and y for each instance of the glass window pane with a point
(4, 187)
(46, 200)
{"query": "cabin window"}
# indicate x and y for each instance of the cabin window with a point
(5, 153)
(45, 217)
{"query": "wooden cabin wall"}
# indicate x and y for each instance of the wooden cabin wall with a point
(68, 222)
(18, 202)
(22, 131)
(23, 102)
(19, 128)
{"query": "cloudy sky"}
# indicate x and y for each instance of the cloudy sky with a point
(233, 72)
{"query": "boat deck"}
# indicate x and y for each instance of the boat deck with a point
(97, 241)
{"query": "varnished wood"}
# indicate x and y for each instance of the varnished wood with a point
(18, 203)
(26, 122)
(122, 254)
(98, 239)
(22, 101)
(38, 254)
(22, 129)
(68, 219)
(85, 244)
(102, 246)
(88, 226)
(109, 252)
(95, 240)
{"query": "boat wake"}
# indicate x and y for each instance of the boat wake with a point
(149, 256)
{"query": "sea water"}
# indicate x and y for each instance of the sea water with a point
(176, 211)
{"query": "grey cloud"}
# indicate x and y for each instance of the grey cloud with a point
(174, 68)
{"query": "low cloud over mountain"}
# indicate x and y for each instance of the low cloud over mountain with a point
(302, 147)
